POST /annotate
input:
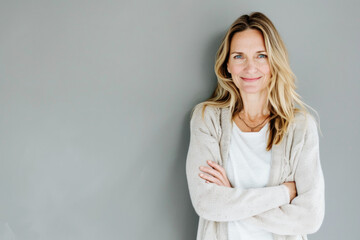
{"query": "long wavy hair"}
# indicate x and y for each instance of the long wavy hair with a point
(282, 97)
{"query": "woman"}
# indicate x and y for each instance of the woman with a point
(253, 164)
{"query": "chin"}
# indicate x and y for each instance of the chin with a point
(251, 90)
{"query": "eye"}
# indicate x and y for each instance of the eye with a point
(262, 56)
(237, 56)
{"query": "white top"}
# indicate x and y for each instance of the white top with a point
(248, 166)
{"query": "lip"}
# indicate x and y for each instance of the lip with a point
(250, 79)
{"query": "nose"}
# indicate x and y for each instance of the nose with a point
(250, 67)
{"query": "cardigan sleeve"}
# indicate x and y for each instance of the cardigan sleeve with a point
(306, 212)
(220, 203)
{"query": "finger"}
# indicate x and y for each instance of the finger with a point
(217, 167)
(210, 179)
(222, 171)
(214, 173)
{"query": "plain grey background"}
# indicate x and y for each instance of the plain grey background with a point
(95, 100)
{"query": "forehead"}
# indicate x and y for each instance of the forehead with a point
(250, 39)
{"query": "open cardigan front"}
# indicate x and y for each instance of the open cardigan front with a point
(296, 158)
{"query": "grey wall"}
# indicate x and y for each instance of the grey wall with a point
(95, 98)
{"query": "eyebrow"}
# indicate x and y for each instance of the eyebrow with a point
(256, 52)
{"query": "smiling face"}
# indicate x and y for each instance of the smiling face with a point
(248, 63)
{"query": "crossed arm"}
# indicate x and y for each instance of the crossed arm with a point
(266, 207)
(306, 212)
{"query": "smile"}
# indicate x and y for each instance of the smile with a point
(250, 79)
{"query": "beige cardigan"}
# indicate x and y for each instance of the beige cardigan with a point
(296, 158)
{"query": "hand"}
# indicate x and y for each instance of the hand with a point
(217, 174)
(292, 189)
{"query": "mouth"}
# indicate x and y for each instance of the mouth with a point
(250, 79)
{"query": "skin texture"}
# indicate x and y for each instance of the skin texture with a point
(247, 59)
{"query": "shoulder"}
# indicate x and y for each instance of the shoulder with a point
(304, 123)
(210, 112)
(302, 130)
(209, 122)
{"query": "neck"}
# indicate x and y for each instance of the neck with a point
(255, 106)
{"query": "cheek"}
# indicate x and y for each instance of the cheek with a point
(235, 69)
(265, 69)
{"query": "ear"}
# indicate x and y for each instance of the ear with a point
(227, 65)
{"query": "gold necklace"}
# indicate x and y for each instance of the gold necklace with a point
(252, 128)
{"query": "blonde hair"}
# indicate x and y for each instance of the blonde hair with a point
(282, 96)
